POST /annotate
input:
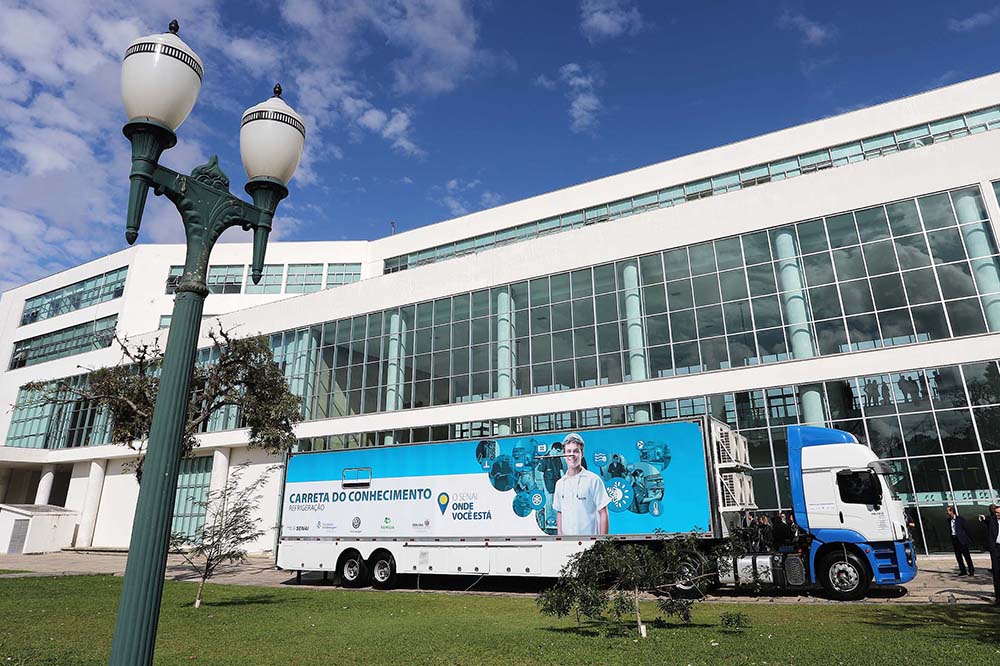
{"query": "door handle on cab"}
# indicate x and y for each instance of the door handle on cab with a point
(841, 517)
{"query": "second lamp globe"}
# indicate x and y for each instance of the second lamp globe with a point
(272, 136)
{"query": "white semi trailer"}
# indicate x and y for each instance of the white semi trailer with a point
(511, 506)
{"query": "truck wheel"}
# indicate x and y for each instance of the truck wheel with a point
(844, 576)
(690, 572)
(383, 567)
(353, 570)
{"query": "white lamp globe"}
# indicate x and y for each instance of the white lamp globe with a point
(272, 136)
(161, 78)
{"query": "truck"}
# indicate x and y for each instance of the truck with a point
(523, 505)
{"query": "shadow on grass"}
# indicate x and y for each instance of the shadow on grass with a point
(610, 629)
(262, 599)
(980, 622)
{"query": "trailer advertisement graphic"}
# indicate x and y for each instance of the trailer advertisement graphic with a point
(634, 480)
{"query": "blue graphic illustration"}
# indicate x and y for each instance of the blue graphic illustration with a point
(522, 504)
(620, 492)
(647, 470)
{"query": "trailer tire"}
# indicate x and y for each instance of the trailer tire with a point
(383, 570)
(691, 567)
(844, 576)
(353, 570)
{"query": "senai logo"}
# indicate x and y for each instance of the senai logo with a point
(443, 500)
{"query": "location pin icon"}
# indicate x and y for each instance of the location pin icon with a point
(443, 502)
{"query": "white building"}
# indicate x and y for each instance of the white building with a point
(843, 271)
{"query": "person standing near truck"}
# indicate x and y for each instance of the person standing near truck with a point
(580, 498)
(960, 542)
(993, 544)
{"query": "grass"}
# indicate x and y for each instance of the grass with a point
(12, 571)
(70, 620)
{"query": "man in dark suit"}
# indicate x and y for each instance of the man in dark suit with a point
(960, 542)
(993, 545)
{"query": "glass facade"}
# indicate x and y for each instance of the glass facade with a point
(78, 339)
(173, 277)
(908, 271)
(192, 487)
(797, 165)
(225, 279)
(270, 280)
(76, 296)
(304, 278)
(70, 423)
(338, 274)
(301, 278)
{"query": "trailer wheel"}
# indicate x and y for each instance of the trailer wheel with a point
(383, 570)
(844, 576)
(353, 570)
(692, 567)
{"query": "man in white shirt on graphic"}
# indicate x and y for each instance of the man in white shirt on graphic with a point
(580, 500)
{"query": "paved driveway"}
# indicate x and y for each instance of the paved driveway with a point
(936, 582)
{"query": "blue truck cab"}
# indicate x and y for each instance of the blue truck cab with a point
(843, 498)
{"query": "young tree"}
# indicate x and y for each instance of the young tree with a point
(230, 524)
(607, 580)
(241, 374)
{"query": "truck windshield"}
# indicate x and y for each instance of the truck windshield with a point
(895, 477)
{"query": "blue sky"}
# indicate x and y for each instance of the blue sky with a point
(424, 110)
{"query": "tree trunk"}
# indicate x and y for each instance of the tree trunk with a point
(201, 588)
(638, 617)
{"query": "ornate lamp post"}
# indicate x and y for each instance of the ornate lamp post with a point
(161, 77)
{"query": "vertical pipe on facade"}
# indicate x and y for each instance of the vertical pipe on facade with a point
(980, 246)
(91, 504)
(44, 490)
(796, 314)
(220, 469)
(635, 342)
(506, 355)
(395, 370)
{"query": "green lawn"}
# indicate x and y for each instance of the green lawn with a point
(12, 571)
(70, 621)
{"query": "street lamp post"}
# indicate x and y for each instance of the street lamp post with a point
(161, 77)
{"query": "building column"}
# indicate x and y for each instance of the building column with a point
(91, 504)
(979, 245)
(4, 482)
(45, 484)
(634, 333)
(506, 352)
(395, 374)
(220, 469)
(796, 315)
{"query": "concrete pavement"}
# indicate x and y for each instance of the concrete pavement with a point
(936, 581)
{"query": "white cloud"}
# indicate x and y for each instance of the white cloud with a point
(440, 36)
(461, 197)
(254, 54)
(373, 119)
(606, 19)
(810, 32)
(489, 199)
(454, 205)
(975, 21)
(543, 81)
(581, 89)
(64, 163)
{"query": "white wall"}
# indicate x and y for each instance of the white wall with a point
(114, 518)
